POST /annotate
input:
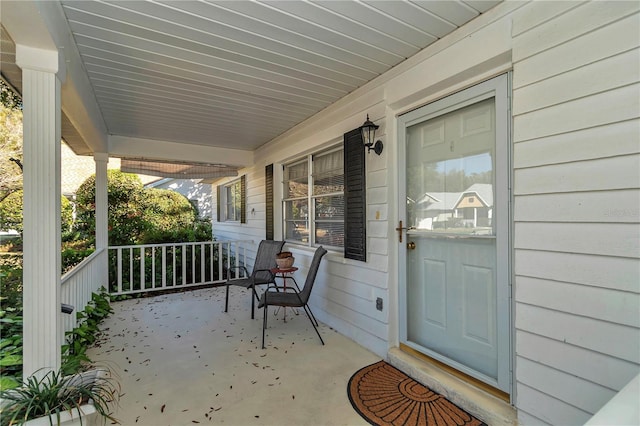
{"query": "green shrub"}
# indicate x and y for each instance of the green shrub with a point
(74, 352)
(10, 281)
(66, 212)
(10, 349)
(139, 215)
(11, 212)
(72, 256)
(125, 212)
(203, 230)
(167, 209)
(74, 357)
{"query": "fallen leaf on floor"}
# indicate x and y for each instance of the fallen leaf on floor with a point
(162, 408)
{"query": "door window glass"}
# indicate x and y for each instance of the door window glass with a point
(450, 172)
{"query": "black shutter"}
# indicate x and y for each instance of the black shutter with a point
(243, 199)
(355, 197)
(268, 191)
(218, 191)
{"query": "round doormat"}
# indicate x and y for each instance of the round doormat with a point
(384, 395)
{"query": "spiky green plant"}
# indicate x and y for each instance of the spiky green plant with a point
(55, 393)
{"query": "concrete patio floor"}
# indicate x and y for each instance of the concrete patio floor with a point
(181, 360)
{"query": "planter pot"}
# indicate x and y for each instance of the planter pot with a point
(86, 416)
(285, 263)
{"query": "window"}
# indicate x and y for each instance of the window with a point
(231, 201)
(313, 204)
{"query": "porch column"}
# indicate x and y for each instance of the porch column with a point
(102, 205)
(42, 330)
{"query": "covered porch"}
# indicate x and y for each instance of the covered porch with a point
(180, 359)
(212, 85)
(265, 90)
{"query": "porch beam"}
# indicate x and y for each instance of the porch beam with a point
(42, 73)
(148, 149)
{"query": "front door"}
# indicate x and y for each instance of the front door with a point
(454, 202)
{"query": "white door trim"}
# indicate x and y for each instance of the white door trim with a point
(498, 88)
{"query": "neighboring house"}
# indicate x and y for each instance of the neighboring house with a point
(541, 308)
(198, 193)
(471, 208)
(75, 169)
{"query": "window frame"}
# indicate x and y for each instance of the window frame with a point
(226, 199)
(310, 198)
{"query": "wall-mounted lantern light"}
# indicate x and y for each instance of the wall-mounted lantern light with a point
(368, 130)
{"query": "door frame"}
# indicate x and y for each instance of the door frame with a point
(500, 88)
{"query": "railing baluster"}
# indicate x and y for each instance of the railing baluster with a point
(184, 265)
(237, 256)
(229, 257)
(153, 267)
(202, 264)
(131, 269)
(211, 262)
(164, 266)
(119, 258)
(220, 258)
(193, 263)
(174, 264)
(142, 274)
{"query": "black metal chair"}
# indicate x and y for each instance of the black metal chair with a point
(261, 274)
(292, 297)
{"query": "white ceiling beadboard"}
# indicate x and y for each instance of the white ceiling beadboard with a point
(236, 74)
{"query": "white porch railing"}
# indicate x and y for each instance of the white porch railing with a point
(156, 267)
(78, 284)
(622, 409)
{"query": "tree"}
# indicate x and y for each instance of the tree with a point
(10, 141)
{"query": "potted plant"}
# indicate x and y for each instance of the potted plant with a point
(56, 399)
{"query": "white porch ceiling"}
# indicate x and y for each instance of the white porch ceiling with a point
(236, 74)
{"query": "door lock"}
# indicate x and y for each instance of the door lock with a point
(411, 245)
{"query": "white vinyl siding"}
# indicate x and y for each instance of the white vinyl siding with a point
(576, 179)
(253, 230)
(577, 207)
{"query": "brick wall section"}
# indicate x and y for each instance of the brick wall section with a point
(76, 168)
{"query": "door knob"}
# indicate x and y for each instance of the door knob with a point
(411, 245)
